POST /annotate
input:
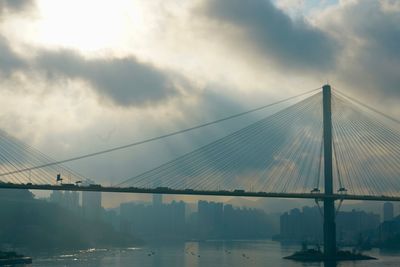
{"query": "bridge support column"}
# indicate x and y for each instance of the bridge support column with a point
(329, 204)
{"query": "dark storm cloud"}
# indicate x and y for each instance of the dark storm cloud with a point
(15, 5)
(9, 61)
(290, 43)
(376, 64)
(125, 81)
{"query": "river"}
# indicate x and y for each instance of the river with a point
(199, 254)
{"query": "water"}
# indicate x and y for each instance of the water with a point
(199, 254)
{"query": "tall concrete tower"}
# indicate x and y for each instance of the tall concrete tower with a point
(388, 211)
(329, 203)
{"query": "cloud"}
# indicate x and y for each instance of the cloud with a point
(9, 61)
(15, 5)
(292, 44)
(371, 32)
(125, 81)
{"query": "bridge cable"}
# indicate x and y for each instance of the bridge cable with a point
(161, 136)
(221, 153)
(221, 159)
(366, 129)
(368, 107)
(209, 148)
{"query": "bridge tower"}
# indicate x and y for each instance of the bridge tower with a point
(329, 203)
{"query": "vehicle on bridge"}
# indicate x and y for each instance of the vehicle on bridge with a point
(224, 191)
(68, 185)
(94, 186)
(163, 189)
(239, 191)
(188, 190)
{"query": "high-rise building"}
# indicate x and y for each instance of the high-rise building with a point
(152, 221)
(71, 200)
(306, 224)
(388, 211)
(91, 204)
(299, 225)
(56, 197)
(67, 199)
(157, 200)
(210, 216)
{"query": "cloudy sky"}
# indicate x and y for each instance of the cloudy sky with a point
(79, 76)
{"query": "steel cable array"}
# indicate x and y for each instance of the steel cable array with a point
(368, 149)
(271, 155)
(16, 155)
(281, 153)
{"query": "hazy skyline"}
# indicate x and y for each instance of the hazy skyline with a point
(79, 76)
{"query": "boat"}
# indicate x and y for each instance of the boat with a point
(12, 258)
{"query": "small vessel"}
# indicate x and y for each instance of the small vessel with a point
(12, 258)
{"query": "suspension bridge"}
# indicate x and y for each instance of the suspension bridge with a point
(326, 146)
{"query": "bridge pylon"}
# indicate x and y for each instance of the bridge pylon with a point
(329, 227)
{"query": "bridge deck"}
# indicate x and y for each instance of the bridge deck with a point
(169, 191)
